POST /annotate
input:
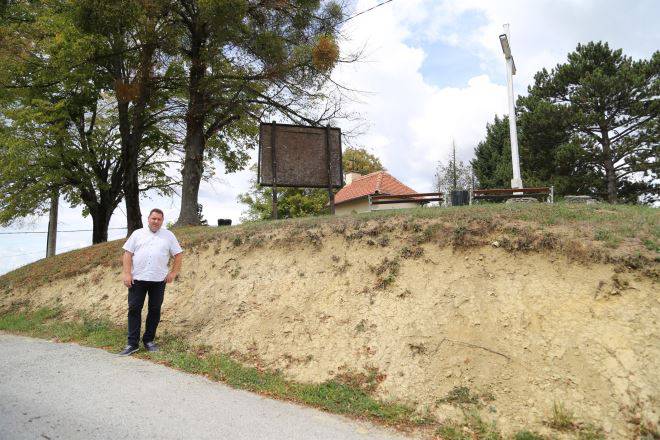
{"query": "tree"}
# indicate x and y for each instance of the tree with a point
(608, 105)
(58, 131)
(129, 42)
(454, 175)
(492, 162)
(302, 202)
(359, 160)
(241, 59)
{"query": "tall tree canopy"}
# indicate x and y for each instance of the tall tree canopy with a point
(596, 117)
(492, 162)
(241, 60)
(60, 131)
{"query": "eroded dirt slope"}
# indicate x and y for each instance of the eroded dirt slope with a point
(423, 312)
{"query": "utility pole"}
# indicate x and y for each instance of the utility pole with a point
(516, 182)
(453, 166)
(51, 241)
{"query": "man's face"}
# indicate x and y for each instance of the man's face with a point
(155, 221)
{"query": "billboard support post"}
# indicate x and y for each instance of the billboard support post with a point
(273, 143)
(331, 194)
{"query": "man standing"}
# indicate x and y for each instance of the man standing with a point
(148, 251)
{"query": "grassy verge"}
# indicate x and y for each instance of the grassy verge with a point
(335, 396)
(331, 396)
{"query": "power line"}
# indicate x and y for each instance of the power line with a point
(365, 11)
(68, 248)
(46, 232)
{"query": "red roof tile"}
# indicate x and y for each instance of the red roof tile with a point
(379, 182)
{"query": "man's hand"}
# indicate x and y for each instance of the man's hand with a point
(170, 277)
(176, 267)
(127, 264)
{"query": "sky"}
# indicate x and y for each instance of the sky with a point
(431, 71)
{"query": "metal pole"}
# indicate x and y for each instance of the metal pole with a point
(331, 195)
(516, 182)
(51, 241)
(273, 143)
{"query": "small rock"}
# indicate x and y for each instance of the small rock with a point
(580, 199)
(522, 200)
(496, 244)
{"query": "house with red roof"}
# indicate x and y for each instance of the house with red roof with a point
(354, 197)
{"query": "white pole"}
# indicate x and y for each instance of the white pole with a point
(516, 182)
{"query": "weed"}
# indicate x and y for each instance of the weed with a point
(361, 326)
(414, 252)
(452, 431)
(237, 241)
(562, 419)
(482, 429)
(386, 272)
(528, 435)
(590, 432)
(459, 236)
(460, 396)
(651, 245)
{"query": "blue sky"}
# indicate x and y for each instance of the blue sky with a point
(432, 71)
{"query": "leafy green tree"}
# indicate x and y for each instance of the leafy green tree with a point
(240, 61)
(58, 131)
(129, 43)
(492, 162)
(359, 160)
(606, 107)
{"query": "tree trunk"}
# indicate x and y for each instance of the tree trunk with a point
(51, 244)
(195, 143)
(610, 173)
(131, 187)
(101, 220)
(610, 176)
(193, 167)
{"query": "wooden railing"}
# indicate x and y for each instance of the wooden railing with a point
(508, 193)
(406, 198)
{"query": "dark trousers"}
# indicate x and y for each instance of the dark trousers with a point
(136, 295)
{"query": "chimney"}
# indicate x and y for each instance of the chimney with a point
(350, 177)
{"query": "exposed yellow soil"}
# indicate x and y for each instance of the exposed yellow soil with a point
(527, 329)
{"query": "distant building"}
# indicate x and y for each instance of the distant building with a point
(354, 197)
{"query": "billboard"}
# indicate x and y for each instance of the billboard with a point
(300, 156)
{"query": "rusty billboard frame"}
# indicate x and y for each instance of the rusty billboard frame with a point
(300, 156)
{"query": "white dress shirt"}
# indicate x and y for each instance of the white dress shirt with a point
(151, 253)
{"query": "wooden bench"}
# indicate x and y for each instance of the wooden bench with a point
(546, 193)
(406, 198)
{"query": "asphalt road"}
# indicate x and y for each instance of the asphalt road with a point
(65, 391)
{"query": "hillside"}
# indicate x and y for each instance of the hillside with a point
(508, 311)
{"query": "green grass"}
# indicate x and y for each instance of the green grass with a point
(332, 396)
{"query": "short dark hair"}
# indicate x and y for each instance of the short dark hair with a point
(158, 211)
